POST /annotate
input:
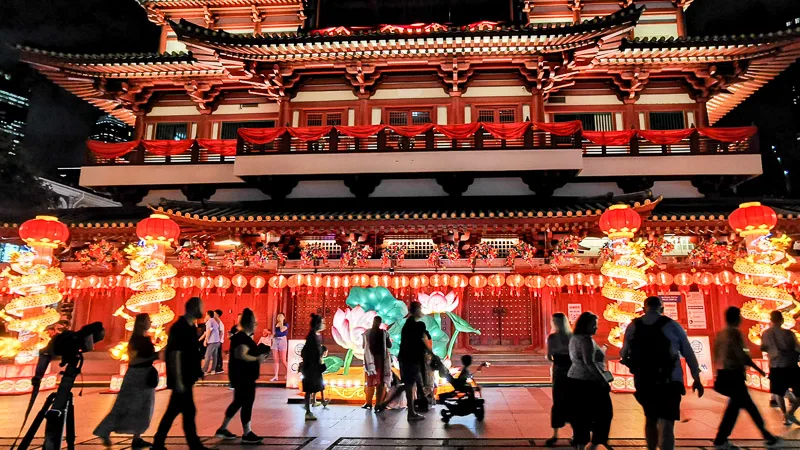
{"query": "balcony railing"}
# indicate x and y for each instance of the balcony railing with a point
(285, 141)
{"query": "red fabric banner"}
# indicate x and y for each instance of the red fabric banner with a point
(306, 134)
(506, 130)
(665, 137)
(108, 150)
(167, 148)
(728, 134)
(224, 147)
(411, 130)
(460, 131)
(609, 137)
(360, 131)
(261, 135)
(559, 128)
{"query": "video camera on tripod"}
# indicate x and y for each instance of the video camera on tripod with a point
(59, 409)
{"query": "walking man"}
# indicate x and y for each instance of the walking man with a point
(218, 315)
(212, 339)
(782, 350)
(183, 370)
(652, 349)
(413, 346)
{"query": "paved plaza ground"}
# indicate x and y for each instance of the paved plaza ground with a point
(516, 418)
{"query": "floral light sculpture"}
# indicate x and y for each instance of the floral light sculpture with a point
(626, 269)
(764, 268)
(149, 278)
(437, 303)
(36, 284)
(348, 331)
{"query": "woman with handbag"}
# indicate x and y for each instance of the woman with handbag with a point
(133, 408)
(377, 363)
(732, 359)
(589, 379)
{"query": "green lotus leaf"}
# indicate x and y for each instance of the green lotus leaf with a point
(380, 300)
(333, 364)
(438, 337)
(462, 325)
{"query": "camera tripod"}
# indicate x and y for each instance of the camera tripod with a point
(59, 411)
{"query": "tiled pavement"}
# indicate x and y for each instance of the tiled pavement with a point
(515, 418)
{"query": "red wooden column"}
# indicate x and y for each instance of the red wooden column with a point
(364, 112)
(162, 43)
(140, 126)
(537, 105)
(701, 116)
(204, 125)
(284, 113)
(456, 113)
(630, 117)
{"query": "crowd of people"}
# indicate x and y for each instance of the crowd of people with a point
(652, 347)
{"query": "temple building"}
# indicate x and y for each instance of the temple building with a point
(488, 135)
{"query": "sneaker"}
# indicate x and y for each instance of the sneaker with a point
(251, 438)
(219, 372)
(415, 417)
(223, 433)
(310, 416)
(726, 446)
(367, 406)
(273, 379)
(774, 441)
(140, 443)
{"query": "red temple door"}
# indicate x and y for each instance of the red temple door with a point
(316, 301)
(504, 318)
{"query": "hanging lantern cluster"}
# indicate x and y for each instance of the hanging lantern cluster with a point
(764, 268)
(35, 282)
(151, 279)
(626, 269)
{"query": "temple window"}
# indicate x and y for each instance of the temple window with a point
(501, 114)
(171, 131)
(229, 130)
(672, 120)
(323, 118)
(400, 117)
(590, 121)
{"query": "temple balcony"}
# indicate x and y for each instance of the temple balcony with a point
(333, 152)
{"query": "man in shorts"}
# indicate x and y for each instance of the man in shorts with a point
(656, 341)
(782, 351)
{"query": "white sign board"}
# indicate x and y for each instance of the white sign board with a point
(670, 301)
(702, 351)
(696, 311)
(293, 364)
(573, 312)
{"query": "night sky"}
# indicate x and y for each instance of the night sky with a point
(58, 122)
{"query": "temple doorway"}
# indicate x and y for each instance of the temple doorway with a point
(308, 301)
(504, 317)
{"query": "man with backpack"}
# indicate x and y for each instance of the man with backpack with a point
(652, 349)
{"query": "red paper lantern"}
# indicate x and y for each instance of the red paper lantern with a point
(385, 280)
(423, 281)
(375, 281)
(497, 280)
(276, 282)
(664, 279)
(535, 282)
(74, 282)
(124, 282)
(555, 281)
(111, 281)
(415, 283)
(222, 283)
(723, 278)
(158, 228)
(440, 280)
(295, 281)
(204, 283)
(515, 280)
(186, 282)
(91, 281)
(346, 282)
(396, 283)
(572, 279)
(592, 281)
(258, 282)
(316, 281)
(684, 279)
(458, 281)
(404, 281)
(45, 231)
(753, 219)
(620, 221)
(703, 278)
(478, 281)
(239, 282)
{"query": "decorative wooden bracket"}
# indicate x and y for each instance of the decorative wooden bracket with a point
(274, 83)
(455, 75)
(209, 18)
(625, 3)
(134, 97)
(255, 15)
(363, 78)
(548, 77)
(575, 5)
(706, 83)
(155, 15)
(205, 95)
(629, 84)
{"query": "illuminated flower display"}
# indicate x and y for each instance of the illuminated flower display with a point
(313, 255)
(355, 255)
(522, 250)
(625, 269)
(36, 286)
(101, 253)
(482, 251)
(764, 268)
(149, 279)
(194, 251)
(448, 252)
(438, 302)
(394, 253)
(348, 331)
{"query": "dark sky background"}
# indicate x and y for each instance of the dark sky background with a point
(58, 122)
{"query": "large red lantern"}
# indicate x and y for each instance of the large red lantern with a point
(44, 231)
(186, 282)
(158, 228)
(753, 219)
(620, 221)
(239, 282)
(515, 281)
(258, 282)
(478, 282)
(497, 280)
(276, 282)
(222, 283)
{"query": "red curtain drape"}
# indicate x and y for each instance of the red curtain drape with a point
(609, 137)
(360, 131)
(665, 137)
(224, 147)
(167, 148)
(559, 128)
(411, 130)
(261, 135)
(506, 130)
(728, 134)
(460, 131)
(306, 134)
(109, 150)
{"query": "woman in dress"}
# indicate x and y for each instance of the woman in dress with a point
(280, 344)
(558, 354)
(243, 368)
(591, 394)
(377, 363)
(312, 364)
(133, 408)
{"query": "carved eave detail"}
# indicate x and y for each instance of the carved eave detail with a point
(205, 95)
(455, 74)
(547, 77)
(134, 97)
(275, 83)
(706, 83)
(363, 78)
(629, 84)
(155, 15)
